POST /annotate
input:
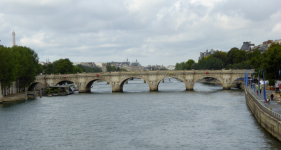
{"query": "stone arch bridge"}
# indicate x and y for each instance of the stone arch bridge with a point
(84, 81)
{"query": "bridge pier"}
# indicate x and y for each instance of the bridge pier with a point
(227, 83)
(84, 89)
(116, 87)
(189, 86)
(226, 87)
(153, 85)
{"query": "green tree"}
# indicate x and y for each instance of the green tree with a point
(222, 56)
(231, 55)
(88, 69)
(271, 61)
(211, 64)
(240, 56)
(50, 69)
(195, 66)
(63, 66)
(108, 67)
(27, 64)
(77, 69)
(180, 66)
(8, 66)
(189, 63)
(253, 54)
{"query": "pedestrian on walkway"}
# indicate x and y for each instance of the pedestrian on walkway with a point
(260, 90)
(272, 96)
(268, 100)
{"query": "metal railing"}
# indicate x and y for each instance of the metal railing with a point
(262, 106)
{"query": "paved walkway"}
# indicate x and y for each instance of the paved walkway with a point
(274, 105)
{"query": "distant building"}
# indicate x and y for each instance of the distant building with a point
(264, 46)
(129, 66)
(207, 53)
(154, 67)
(88, 64)
(170, 67)
(277, 41)
(14, 38)
(247, 46)
(45, 63)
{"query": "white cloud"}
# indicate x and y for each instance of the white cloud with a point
(154, 32)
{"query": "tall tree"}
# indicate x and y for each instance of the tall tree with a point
(271, 61)
(27, 64)
(189, 63)
(231, 55)
(222, 56)
(240, 56)
(64, 66)
(8, 66)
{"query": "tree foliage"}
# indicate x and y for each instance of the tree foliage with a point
(210, 64)
(189, 63)
(231, 55)
(180, 66)
(271, 62)
(63, 66)
(110, 68)
(19, 63)
(89, 69)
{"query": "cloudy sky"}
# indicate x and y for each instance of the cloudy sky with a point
(151, 31)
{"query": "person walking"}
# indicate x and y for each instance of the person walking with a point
(260, 89)
(271, 96)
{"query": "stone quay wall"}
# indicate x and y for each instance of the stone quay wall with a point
(268, 119)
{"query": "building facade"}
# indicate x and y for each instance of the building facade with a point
(207, 53)
(247, 46)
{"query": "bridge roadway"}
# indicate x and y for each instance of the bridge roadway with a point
(84, 81)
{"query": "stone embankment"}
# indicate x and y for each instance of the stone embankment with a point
(269, 119)
(15, 97)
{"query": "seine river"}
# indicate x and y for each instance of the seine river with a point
(172, 118)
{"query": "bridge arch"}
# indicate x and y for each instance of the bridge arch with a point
(63, 82)
(36, 85)
(202, 77)
(235, 78)
(176, 77)
(123, 80)
(90, 82)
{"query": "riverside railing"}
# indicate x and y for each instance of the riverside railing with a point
(262, 106)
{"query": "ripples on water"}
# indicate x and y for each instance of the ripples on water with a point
(206, 118)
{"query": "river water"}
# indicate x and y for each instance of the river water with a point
(172, 118)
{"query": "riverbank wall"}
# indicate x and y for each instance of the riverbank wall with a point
(267, 118)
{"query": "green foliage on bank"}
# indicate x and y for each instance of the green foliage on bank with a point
(18, 63)
(110, 68)
(269, 61)
(89, 69)
(63, 66)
